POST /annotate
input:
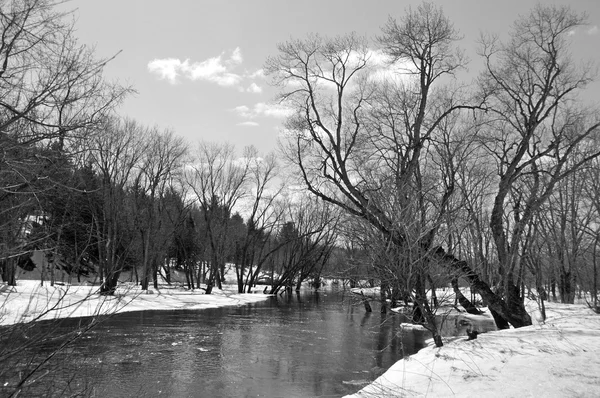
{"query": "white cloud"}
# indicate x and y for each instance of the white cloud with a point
(593, 30)
(243, 111)
(263, 109)
(383, 69)
(165, 68)
(258, 74)
(248, 123)
(217, 69)
(272, 110)
(236, 56)
(254, 88)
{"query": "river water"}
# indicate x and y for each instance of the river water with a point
(309, 345)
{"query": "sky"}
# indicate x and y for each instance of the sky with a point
(196, 64)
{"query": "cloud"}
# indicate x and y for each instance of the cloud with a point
(263, 109)
(248, 123)
(258, 74)
(236, 56)
(254, 88)
(382, 68)
(243, 111)
(219, 69)
(272, 110)
(593, 30)
(165, 68)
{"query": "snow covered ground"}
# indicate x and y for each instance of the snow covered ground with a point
(29, 301)
(558, 358)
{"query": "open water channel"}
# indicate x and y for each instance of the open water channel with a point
(308, 345)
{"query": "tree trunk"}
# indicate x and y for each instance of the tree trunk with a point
(420, 300)
(109, 285)
(595, 264)
(513, 313)
(565, 286)
(365, 302)
(382, 297)
(146, 259)
(212, 275)
(462, 300)
(9, 271)
(167, 269)
(155, 274)
(434, 299)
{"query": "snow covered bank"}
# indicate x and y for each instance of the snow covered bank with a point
(560, 358)
(29, 301)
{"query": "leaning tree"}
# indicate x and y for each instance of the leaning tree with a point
(363, 144)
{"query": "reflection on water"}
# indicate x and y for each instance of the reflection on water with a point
(314, 344)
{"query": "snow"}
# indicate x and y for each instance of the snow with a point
(28, 301)
(556, 358)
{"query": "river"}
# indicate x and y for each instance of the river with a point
(308, 345)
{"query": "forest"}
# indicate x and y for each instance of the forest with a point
(393, 170)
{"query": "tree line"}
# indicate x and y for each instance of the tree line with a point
(132, 198)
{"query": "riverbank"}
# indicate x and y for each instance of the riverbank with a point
(28, 301)
(556, 358)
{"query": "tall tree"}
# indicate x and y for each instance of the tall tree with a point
(536, 125)
(155, 175)
(264, 215)
(219, 181)
(116, 149)
(353, 138)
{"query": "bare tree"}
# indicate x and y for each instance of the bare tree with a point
(161, 162)
(219, 181)
(565, 220)
(304, 242)
(263, 217)
(535, 127)
(361, 145)
(116, 148)
(592, 190)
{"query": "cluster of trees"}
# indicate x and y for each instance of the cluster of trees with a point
(276, 220)
(493, 182)
(132, 198)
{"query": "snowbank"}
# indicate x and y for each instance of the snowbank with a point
(29, 301)
(558, 358)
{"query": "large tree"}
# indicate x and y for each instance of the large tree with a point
(363, 144)
(536, 126)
